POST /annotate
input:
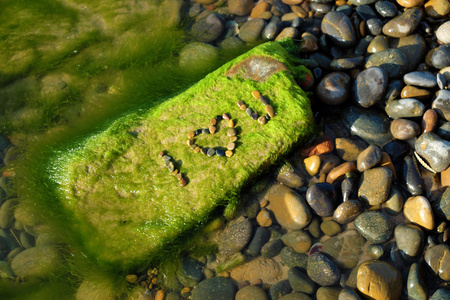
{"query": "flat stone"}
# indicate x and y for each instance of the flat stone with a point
(410, 3)
(346, 63)
(326, 293)
(322, 270)
(379, 280)
(348, 149)
(434, 150)
(418, 210)
(289, 208)
(288, 177)
(438, 259)
(235, 236)
(216, 288)
(374, 226)
(393, 61)
(441, 104)
(345, 248)
(330, 228)
(410, 240)
(420, 78)
(375, 185)
(370, 86)
(405, 108)
(404, 24)
(339, 29)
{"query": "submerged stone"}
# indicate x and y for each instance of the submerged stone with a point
(117, 188)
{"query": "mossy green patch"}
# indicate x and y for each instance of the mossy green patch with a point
(126, 205)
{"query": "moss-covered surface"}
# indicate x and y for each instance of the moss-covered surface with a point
(122, 200)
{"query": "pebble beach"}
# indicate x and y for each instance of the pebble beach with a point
(359, 212)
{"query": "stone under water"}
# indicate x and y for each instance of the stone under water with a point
(126, 205)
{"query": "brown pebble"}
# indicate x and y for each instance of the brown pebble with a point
(185, 291)
(340, 171)
(387, 163)
(213, 121)
(212, 129)
(225, 116)
(183, 181)
(233, 139)
(322, 178)
(429, 120)
(179, 176)
(264, 203)
(175, 172)
(231, 146)
(243, 284)
(231, 123)
(321, 147)
(263, 218)
(231, 132)
(415, 92)
(269, 109)
(190, 142)
(240, 103)
(263, 100)
(262, 120)
(191, 134)
(362, 28)
(229, 153)
(445, 177)
(161, 154)
(243, 107)
(225, 274)
(257, 282)
(197, 149)
(256, 94)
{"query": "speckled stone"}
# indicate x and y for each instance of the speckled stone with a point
(441, 104)
(369, 86)
(322, 270)
(374, 226)
(438, 259)
(405, 108)
(393, 61)
(379, 280)
(386, 9)
(434, 150)
(403, 129)
(251, 292)
(291, 258)
(333, 89)
(339, 29)
(279, 289)
(321, 198)
(375, 185)
(418, 210)
(404, 24)
(348, 149)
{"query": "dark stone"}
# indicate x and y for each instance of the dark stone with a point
(321, 197)
(333, 88)
(251, 31)
(411, 176)
(374, 226)
(339, 29)
(346, 63)
(220, 152)
(435, 150)
(414, 47)
(444, 131)
(393, 61)
(208, 28)
(261, 236)
(386, 9)
(291, 258)
(281, 7)
(375, 26)
(362, 44)
(347, 211)
(365, 12)
(190, 272)
(368, 158)
(441, 57)
(272, 248)
(235, 236)
(443, 205)
(441, 294)
(279, 289)
(216, 288)
(393, 90)
(410, 240)
(369, 86)
(404, 24)
(271, 30)
(322, 270)
(323, 60)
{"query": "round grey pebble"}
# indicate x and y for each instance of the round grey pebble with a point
(441, 57)
(211, 152)
(420, 78)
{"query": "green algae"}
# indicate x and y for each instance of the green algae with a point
(122, 198)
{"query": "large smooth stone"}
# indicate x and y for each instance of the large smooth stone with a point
(410, 239)
(418, 210)
(404, 108)
(322, 270)
(347, 211)
(438, 258)
(443, 32)
(345, 248)
(379, 280)
(435, 150)
(420, 78)
(251, 31)
(126, 196)
(369, 86)
(374, 226)
(208, 28)
(240, 7)
(372, 126)
(339, 29)
(333, 89)
(321, 197)
(441, 104)
(37, 262)
(441, 57)
(216, 288)
(416, 285)
(289, 208)
(404, 24)
(235, 236)
(393, 61)
(375, 185)
(414, 47)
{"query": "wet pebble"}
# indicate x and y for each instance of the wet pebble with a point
(271, 30)
(443, 32)
(376, 251)
(330, 228)
(263, 218)
(260, 237)
(420, 78)
(272, 248)
(441, 57)
(403, 129)
(374, 226)
(251, 31)
(405, 108)
(251, 292)
(434, 150)
(346, 63)
(321, 198)
(347, 211)
(410, 240)
(240, 7)
(418, 210)
(300, 282)
(291, 258)
(444, 131)
(338, 27)
(378, 44)
(348, 149)
(375, 26)
(441, 104)
(370, 86)
(411, 177)
(375, 185)
(235, 236)
(322, 270)
(444, 204)
(312, 164)
(216, 288)
(393, 61)
(438, 259)
(190, 272)
(208, 28)
(298, 240)
(279, 289)
(368, 158)
(386, 9)
(404, 24)
(410, 91)
(333, 89)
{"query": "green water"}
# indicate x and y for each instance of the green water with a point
(67, 67)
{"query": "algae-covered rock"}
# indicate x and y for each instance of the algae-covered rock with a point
(125, 203)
